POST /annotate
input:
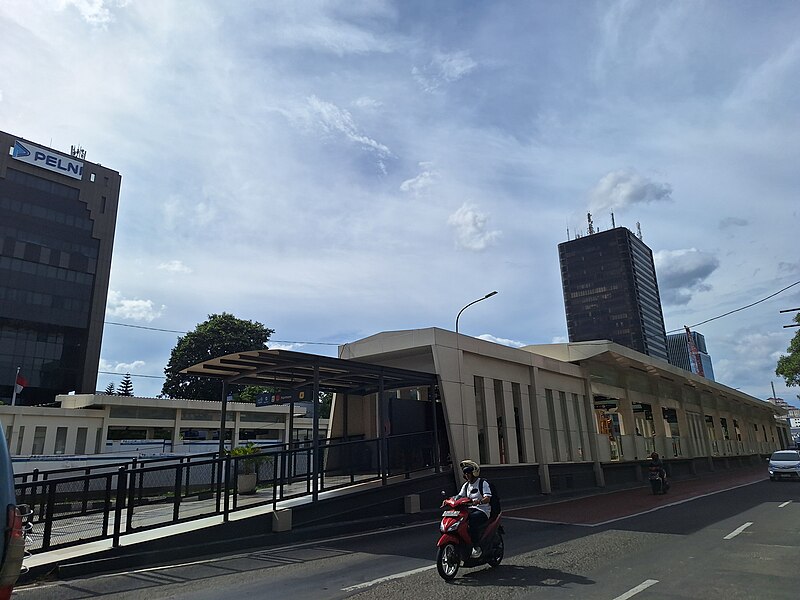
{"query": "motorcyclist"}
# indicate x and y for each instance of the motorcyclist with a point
(480, 510)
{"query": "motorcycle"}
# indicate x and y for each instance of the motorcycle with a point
(455, 545)
(658, 483)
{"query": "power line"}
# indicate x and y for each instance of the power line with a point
(185, 332)
(738, 309)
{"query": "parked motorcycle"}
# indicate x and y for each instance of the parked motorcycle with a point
(455, 545)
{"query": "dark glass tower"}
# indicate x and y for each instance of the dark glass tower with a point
(57, 219)
(611, 292)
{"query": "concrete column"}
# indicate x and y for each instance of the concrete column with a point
(536, 395)
(176, 430)
(588, 406)
(528, 432)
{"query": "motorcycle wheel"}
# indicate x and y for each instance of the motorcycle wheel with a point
(498, 551)
(447, 561)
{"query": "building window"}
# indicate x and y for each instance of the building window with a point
(39, 435)
(551, 419)
(516, 395)
(562, 396)
(92, 177)
(80, 440)
(19, 440)
(480, 410)
(61, 441)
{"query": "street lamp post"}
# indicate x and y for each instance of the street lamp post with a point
(489, 295)
(461, 383)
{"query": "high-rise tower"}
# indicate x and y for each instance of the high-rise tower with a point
(57, 219)
(611, 292)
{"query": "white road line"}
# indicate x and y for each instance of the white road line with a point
(366, 584)
(785, 504)
(737, 531)
(639, 588)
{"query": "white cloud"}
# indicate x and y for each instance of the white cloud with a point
(442, 69)
(623, 188)
(122, 367)
(502, 341)
(421, 182)
(560, 339)
(94, 12)
(174, 266)
(135, 310)
(682, 273)
(470, 228)
(332, 119)
(367, 103)
(729, 222)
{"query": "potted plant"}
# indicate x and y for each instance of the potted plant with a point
(247, 468)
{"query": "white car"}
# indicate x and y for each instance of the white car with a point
(784, 463)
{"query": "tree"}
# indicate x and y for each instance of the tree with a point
(789, 364)
(110, 391)
(219, 335)
(126, 386)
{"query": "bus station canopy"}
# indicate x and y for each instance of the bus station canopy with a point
(286, 369)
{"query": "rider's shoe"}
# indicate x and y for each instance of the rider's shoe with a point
(476, 552)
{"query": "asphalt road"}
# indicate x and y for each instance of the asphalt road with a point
(736, 544)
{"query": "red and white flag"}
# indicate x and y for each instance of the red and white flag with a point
(21, 383)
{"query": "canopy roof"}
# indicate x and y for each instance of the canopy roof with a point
(285, 369)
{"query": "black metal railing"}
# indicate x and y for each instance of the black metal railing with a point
(70, 507)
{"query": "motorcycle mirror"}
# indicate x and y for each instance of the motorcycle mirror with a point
(444, 493)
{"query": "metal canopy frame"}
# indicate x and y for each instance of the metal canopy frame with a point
(289, 370)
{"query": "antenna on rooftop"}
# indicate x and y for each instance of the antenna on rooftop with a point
(591, 225)
(567, 232)
(638, 230)
(613, 225)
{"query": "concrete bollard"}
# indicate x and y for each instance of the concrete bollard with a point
(411, 503)
(282, 520)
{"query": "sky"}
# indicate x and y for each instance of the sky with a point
(334, 169)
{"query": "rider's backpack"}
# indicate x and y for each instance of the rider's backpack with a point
(494, 502)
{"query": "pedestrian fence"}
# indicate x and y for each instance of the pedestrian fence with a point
(75, 506)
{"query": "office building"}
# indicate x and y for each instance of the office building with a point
(611, 292)
(57, 219)
(680, 354)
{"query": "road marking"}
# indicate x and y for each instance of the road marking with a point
(639, 588)
(785, 504)
(737, 531)
(622, 518)
(366, 584)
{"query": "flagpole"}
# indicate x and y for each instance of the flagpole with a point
(14, 387)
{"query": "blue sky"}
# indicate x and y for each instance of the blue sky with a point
(336, 169)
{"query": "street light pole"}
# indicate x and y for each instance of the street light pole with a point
(461, 383)
(489, 295)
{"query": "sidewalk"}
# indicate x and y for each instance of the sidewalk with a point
(601, 508)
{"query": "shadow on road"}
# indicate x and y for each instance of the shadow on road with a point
(521, 576)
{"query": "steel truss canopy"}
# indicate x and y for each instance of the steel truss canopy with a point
(286, 370)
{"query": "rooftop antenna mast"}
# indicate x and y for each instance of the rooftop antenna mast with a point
(613, 225)
(638, 230)
(591, 225)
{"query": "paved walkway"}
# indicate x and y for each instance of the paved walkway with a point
(599, 509)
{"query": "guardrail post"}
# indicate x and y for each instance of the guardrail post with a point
(48, 515)
(176, 507)
(119, 502)
(85, 500)
(131, 498)
(226, 510)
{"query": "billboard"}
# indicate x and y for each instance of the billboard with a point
(47, 159)
(269, 398)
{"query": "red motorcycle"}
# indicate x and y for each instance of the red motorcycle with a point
(455, 545)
